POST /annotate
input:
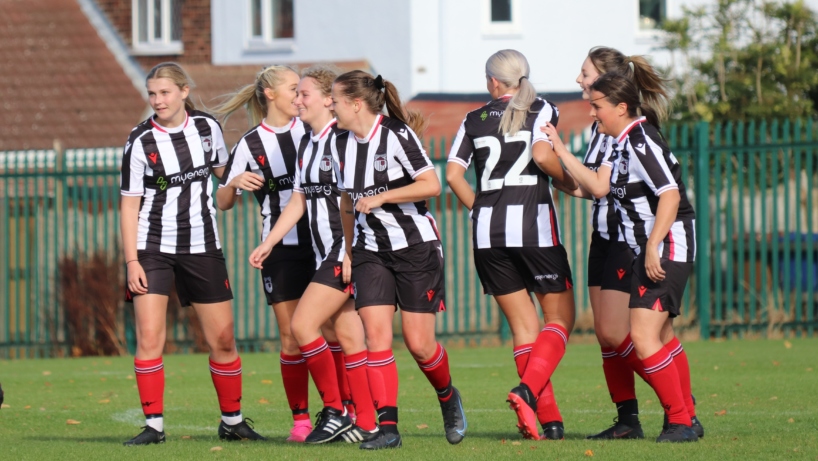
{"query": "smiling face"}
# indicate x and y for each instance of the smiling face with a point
(311, 103)
(608, 116)
(587, 75)
(344, 108)
(167, 100)
(282, 98)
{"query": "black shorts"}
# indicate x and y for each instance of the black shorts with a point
(665, 296)
(286, 273)
(411, 278)
(508, 270)
(330, 273)
(610, 264)
(200, 278)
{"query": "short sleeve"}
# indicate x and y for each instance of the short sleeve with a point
(462, 148)
(236, 164)
(548, 114)
(297, 177)
(133, 169)
(655, 170)
(338, 144)
(410, 153)
(220, 155)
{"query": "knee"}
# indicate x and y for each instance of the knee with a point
(151, 342)
(225, 341)
(421, 347)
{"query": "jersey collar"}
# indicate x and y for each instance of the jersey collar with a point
(372, 131)
(628, 129)
(174, 129)
(317, 136)
(279, 129)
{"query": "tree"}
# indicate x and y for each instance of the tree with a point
(744, 59)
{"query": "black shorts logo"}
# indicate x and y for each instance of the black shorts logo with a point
(268, 284)
(620, 273)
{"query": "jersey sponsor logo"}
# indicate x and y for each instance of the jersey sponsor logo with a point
(404, 133)
(618, 192)
(181, 178)
(162, 183)
(642, 290)
(380, 162)
(268, 284)
(326, 163)
(271, 184)
(261, 159)
(153, 156)
(542, 277)
(620, 273)
(207, 143)
(368, 193)
(325, 189)
(430, 294)
(484, 116)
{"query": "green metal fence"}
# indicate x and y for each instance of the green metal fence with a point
(753, 187)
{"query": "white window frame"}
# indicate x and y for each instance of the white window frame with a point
(647, 36)
(266, 42)
(154, 46)
(503, 29)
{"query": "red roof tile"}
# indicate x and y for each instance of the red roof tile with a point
(58, 80)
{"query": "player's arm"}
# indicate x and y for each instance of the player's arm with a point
(425, 186)
(666, 212)
(545, 158)
(579, 192)
(348, 222)
(597, 183)
(128, 226)
(287, 220)
(237, 179)
(456, 177)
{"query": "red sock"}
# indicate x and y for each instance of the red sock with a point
(355, 365)
(340, 372)
(436, 370)
(664, 379)
(618, 376)
(227, 381)
(546, 354)
(150, 380)
(322, 369)
(383, 381)
(547, 409)
(625, 350)
(296, 377)
(674, 347)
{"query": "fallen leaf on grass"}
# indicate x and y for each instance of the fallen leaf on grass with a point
(790, 420)
(185, 437)
(71, 381)
(266, 381)
(26, 407)
(503, 441)
(42, 408)
(773, 398)
(423, 426)
(721, 413)
(714, 395)
(46, 373)
(809, 369)
(495, 374)
(716, 367)
(47, 383)
(776, 363)
(263, 401)
(533, 448)
(72, 422)
(788, 344)
(129, 377)
(105, 401)
(103, 379)
(589, 453)
(516, 443)
(216, 449)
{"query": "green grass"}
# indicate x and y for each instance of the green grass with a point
(768, 389)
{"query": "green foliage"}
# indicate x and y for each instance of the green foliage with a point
(756, 400)
(744, 60)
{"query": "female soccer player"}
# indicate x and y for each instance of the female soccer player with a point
(657, 220)
(517, 245)
(610, 258)
(397, 257)
(264, 162)
(328, 296)
(169, 232)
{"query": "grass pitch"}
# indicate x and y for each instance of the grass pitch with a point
(756, 400)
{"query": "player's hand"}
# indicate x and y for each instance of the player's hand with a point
(653, 265)
(247, 181)
(367, 204)
(551, 131)
(258, 255)
(137, 280)
(346, 269)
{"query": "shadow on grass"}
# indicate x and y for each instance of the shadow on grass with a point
(497, 436)
(118, 440)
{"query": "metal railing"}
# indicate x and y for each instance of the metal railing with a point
(753, 187)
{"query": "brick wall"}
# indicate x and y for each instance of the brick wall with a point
(195, 31)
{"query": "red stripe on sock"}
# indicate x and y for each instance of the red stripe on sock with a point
(664, 379)
(227, 381)
(674, 347)
(625, 350)
(383, 378)
(322, 369)
(150, 381)
(546, 354)
(618, 376)
(296, 376)
(359, 387)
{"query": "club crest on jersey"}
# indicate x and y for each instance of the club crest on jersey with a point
(207, 143)
(326, 163)
(623, 167)
(380, 162)
(603, 146)
(268, 284)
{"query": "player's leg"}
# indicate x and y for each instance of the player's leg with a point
(328, 332)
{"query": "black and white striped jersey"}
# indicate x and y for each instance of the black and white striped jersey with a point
(317, 178)
(513, 206)
(642, 168)
(389, 157)
(272, 153)
(170, 169)
(604, 219)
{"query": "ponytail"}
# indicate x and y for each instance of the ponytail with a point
(511, 68)
(252, 96)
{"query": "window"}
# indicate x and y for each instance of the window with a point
(271, 24)
(501, 18)
(157, 26)
(651, 14)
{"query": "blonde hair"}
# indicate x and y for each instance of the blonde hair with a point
(376, 92)
(252, 96)
(323, 75)
(177, 75)
(510, 68)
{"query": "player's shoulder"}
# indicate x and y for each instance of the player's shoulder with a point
(543, 105)
(201, 115)
(139, 130)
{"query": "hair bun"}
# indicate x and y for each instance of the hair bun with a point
(379, 82)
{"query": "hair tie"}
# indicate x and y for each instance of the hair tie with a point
(630, 64)
(379, 82)
(520, 81)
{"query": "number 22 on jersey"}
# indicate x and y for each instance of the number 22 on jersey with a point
(513, 177)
